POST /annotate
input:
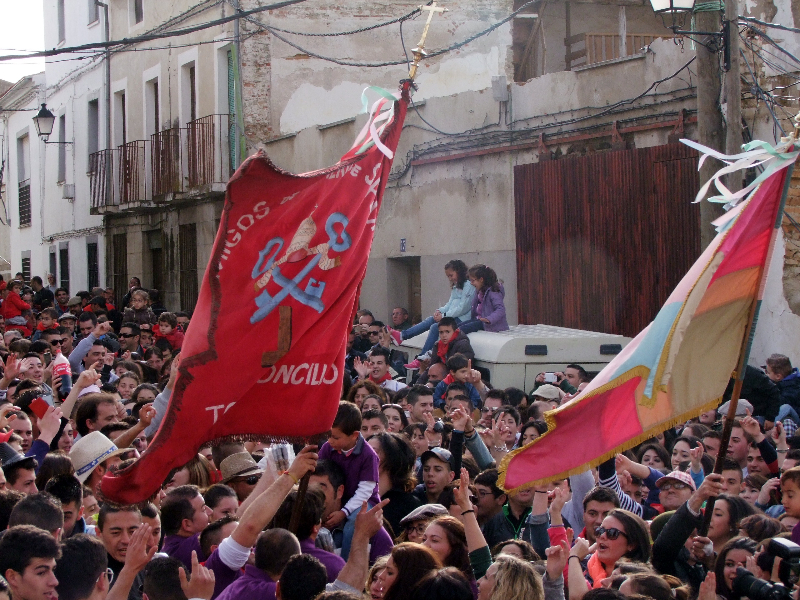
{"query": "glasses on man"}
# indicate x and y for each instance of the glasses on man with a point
(673, 485)
(251, 480)
(492, 410)
(108, 573)
(612, 533)
(57, 342)
(374, 332)
(126, 335)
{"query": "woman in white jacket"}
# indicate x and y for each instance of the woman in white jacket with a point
(459, 306)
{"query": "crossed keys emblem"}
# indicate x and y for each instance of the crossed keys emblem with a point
(268, 268)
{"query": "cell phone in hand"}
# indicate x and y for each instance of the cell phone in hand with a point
(39, 407)
(48, 358)
(549, 377)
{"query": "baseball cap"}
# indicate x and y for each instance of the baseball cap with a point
(677, 476)
(440, 454)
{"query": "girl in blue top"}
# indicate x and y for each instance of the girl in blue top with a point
(459, 306)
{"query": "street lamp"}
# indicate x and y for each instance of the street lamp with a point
(44, 122)
(673, 15)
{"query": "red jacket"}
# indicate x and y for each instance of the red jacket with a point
(13, 306)
(175, 337)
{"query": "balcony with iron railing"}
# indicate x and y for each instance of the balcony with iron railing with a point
(174, 163)
(24, 197)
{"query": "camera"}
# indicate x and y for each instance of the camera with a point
(747, 584)
(549, 377)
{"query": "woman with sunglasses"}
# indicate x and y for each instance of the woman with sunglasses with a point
(621, 535)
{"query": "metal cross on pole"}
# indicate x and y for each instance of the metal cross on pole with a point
(419, 51)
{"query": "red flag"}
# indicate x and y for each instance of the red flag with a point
(264, 356)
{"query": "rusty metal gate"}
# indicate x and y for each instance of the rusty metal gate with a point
(603, 239)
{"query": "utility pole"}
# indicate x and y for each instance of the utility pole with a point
(710, 128)
(733, 92)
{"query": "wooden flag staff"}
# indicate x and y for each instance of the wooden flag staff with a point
(747, 342)
(419, 53)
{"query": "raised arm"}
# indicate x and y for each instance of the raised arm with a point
(261, 510)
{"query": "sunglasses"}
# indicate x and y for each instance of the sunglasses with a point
(57, 342)
(251, 480)
(492, 410)
(374, 332)
(612, 533)
(126, 335)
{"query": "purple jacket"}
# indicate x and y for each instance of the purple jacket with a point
(489, 304)
(181, 548)
(332, 563)
(255, 584)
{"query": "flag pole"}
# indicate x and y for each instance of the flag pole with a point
(747, 340)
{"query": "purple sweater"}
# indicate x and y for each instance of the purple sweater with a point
(360, 465)
(255, 584)
(332, 563)
(488, 304)
(181, 548)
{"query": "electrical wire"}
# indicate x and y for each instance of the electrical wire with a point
(392, 63)
(400, 20)
(151, 37)
(765, 24)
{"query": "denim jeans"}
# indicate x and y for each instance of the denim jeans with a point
(349, 529)
(787, 411)
(429, 325)
(471, 326)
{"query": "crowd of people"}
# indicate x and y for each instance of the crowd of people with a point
(402, 499)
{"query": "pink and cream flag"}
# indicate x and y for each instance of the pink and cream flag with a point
(680, 365)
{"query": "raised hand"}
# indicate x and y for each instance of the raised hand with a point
(201, 584)
(361, 367)
(581, 548)
(708, 588)
(5, 419)
(11, 367)
(752, 427)
(461, 493)
(304, 462)
(101, 329)
(49, 424)
(557, 557)
(137, 555)
(369, 522)
(460, 419)
(146, 415)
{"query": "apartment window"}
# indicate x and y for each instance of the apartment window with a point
(152, 106)
(120, 121)
(26, 265)
(62, 148)
(188, 92)
(63, 259)
(138, 11)
(93, 127)
(52, 263)
(187, 247)
(94, 11)
(24, 178)
(62, 25)
(93, 264)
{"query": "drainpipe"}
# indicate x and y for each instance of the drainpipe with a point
(108, 158)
